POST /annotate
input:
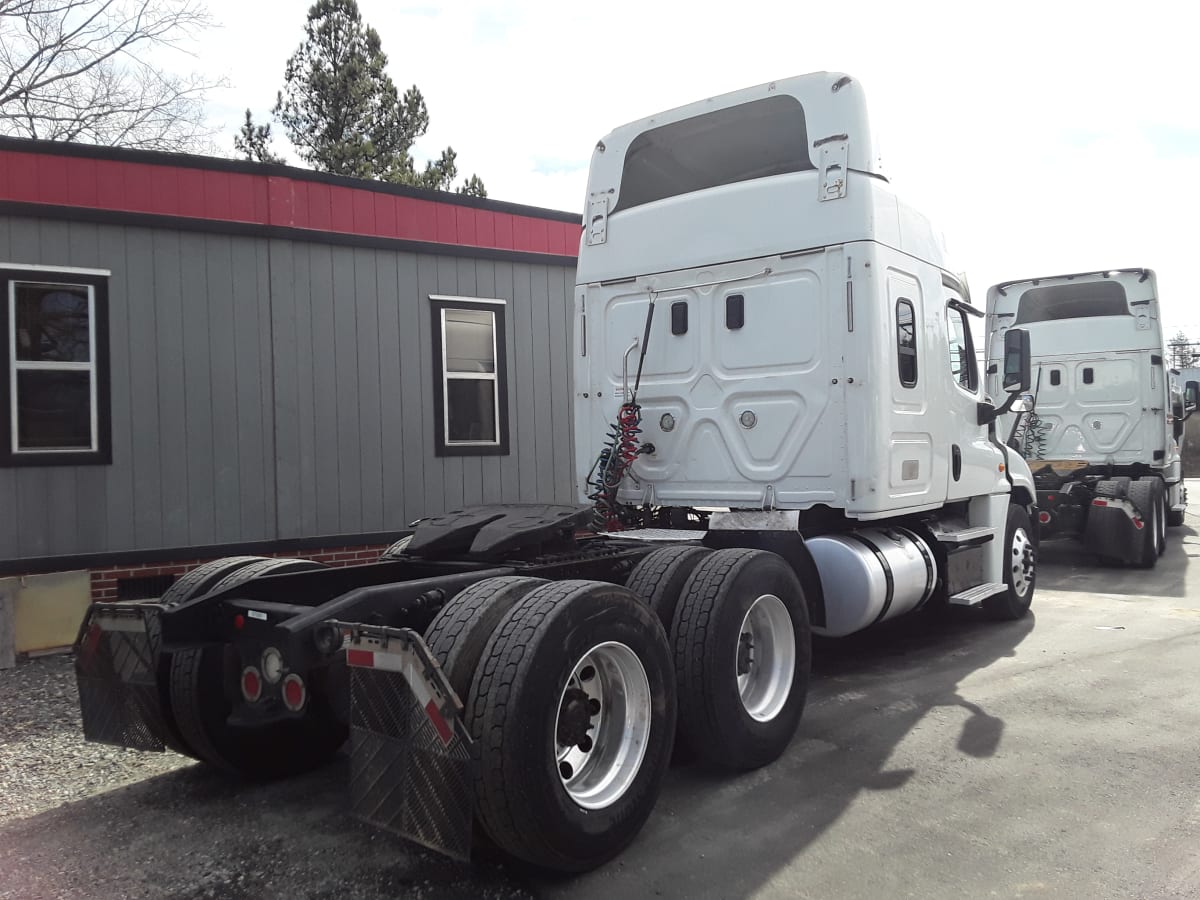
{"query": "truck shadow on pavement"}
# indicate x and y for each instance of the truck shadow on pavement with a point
(720, 835)
(193, 833)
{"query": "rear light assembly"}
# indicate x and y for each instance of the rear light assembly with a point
(1044, 517)
(294, 692)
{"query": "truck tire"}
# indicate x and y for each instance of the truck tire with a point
(194, 583)
(1020, 569)
(1175, 517)
(743, 648)
(1114, 487)
(660, 576)
(204, 683)
(1147, 495)
(459, 633)
(396, 551)
(573, 711)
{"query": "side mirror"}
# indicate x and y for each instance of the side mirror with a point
(1191, 397)
(1016, 361)
(1023, 403)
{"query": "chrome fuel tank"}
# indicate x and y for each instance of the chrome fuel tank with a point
(871, 575)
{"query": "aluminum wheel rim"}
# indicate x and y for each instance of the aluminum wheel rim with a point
(1022, 562)
(597, 771)
(765, 660)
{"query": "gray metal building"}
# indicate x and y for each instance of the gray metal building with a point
(279, 360)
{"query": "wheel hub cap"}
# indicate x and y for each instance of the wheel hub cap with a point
(602, 725)
(766, 658)
(1023, 561)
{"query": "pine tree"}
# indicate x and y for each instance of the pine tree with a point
(343, 112)
(254, 142)
(1182, 354)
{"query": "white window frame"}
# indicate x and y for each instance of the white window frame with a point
(16, 365)
(447, 375)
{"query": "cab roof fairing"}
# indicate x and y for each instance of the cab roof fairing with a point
(834, 107)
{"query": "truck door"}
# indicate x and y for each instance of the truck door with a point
(974, 461)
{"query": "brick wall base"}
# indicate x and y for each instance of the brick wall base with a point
(104, 581)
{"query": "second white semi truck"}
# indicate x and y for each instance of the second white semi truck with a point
(1104, 434)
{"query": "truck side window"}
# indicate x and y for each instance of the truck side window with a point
(962, 350)
(906, 342)
(1055, 377)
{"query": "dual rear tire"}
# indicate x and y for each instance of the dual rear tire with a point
(571, 704)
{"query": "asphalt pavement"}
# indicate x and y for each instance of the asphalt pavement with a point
(1051, 757)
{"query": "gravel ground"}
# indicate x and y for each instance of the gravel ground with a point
(82, 820)
(44, 760)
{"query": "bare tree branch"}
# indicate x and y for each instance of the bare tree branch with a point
(82, 70)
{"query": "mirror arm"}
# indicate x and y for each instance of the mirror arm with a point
(988, 414)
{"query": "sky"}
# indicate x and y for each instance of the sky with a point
(1041, 138)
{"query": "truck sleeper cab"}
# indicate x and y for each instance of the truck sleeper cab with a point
(780, 430)
(1104, 432)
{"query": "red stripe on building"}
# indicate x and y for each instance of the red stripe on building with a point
(272, 200)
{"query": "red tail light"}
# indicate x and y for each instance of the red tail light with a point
(1044, 517)
(251, 684)
(294, 692)
(1099, 501)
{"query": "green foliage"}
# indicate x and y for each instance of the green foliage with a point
(254, 142)
(473, 187)
(343, 112)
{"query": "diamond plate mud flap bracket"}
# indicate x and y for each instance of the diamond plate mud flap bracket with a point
(116, 662)
(411, 769)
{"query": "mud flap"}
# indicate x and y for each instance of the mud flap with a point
(411, 769)
(1114, 530)
(116, 659)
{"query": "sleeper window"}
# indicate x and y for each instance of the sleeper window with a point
(906, 342)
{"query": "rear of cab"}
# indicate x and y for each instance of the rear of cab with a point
(788, 282)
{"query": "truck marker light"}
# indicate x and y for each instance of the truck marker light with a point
(1001, 467)
(1099, 502)
(239, 621)
(1043, 517)
(251, 684)
(294, 692)
(1138, 523)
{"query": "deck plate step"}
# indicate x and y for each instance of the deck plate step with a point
(980, 533)
(976, 595)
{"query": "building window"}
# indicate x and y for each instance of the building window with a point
(962, 349)
(471, 406)
(55, 368)
(906, 342)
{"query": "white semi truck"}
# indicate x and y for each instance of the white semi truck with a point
(781, 431)
(1104, 433)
